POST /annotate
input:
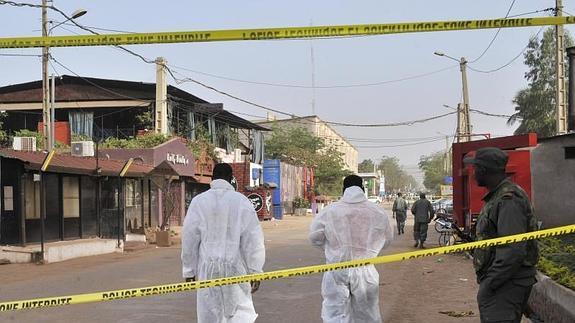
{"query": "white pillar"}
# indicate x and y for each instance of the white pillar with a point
(161, 112)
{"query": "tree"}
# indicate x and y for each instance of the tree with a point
(366, 166)
(300, 147)
(396, 179)
(434, 170)
(535, 105)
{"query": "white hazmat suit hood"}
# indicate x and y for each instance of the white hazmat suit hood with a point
(353, 228)
(222, 237)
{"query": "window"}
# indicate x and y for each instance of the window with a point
(32, 193)
(8, 198)
(569, 152)
(71, 196)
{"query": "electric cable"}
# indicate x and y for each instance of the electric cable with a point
(494, 36)
(508, 63)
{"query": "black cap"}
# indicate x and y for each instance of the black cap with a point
(488, 157)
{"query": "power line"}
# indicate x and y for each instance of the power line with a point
(403, 145)
(188, 79)
(511, 61)
(373, 140)
(99, 28)
(337, 86)
(393, 124)
(494, 36)
(20, 55)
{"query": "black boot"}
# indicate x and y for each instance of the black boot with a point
(416, 244)
(421, 245)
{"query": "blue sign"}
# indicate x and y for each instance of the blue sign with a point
(448, 180)
(256, 172)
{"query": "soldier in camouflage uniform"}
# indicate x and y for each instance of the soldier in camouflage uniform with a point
(505, 273)
(422, 211)
(400, 212)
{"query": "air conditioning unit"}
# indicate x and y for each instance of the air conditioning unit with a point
(24, 143)
(83, 148)
(237, 155)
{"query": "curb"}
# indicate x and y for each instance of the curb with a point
(552, 302)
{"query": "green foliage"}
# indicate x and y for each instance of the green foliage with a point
(4, 139)
(295, 145)
(29, 133)
(145, 120)
(396, 179)
(79, 137)
(300, 147)
(433, 169)
(146, 141)
(366, 166)
(202, 144)
(558, 259)
(301, 203)
(536, 104)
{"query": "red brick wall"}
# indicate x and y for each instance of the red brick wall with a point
(242, 175)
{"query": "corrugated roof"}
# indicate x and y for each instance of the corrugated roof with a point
(62, 163)
(78, 89)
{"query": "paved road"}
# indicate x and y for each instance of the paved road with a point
(411, 291)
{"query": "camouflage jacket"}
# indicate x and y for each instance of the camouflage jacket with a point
(507, 211)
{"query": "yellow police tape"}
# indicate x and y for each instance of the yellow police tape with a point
(286, 273)
(277, 33)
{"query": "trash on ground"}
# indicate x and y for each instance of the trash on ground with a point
(458, 314)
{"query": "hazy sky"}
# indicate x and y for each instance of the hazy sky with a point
(348, 61)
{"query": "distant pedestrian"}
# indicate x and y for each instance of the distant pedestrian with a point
(505, 273)
(352, 228)
(400, 212)
(222, 237)
(423, 213)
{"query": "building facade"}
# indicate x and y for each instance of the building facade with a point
(322, 130)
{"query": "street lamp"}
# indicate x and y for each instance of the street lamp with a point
(463, 123)
(47, 115)
(76, 14)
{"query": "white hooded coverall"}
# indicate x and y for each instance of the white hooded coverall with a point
(222, 237)
(352, 228)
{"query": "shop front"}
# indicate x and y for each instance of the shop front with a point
(178, 177)
(80, 197)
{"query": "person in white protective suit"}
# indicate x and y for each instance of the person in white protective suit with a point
(222, 237)
(353, 228)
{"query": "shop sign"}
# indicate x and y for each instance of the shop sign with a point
(177, 159)
(257, 201)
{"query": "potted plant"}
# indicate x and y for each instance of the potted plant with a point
(300, 206)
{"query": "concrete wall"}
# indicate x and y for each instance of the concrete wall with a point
(553, 183)
(552, 302)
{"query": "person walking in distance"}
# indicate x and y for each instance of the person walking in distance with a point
(505, 273)
(400, 212)
(352, 228)
(423, 213)
(222, 237)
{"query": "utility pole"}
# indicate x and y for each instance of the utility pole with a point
(560, 97)
(465, 127)
(161, 107)
(47, 131)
